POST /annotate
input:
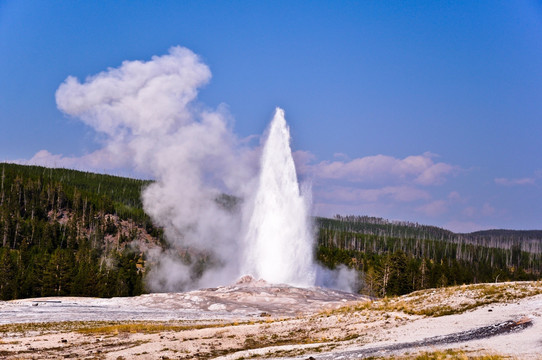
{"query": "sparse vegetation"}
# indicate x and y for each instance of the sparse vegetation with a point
(146, 327)
(440, 302)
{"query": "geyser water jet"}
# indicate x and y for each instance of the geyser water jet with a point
(279, 240)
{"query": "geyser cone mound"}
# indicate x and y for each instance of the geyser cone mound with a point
(279, 244)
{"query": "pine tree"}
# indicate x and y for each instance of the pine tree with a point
(7, 275)
(57, 277)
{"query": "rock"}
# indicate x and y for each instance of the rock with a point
(216, 307)
(247, 279)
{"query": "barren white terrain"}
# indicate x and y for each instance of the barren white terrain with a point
(253, 319)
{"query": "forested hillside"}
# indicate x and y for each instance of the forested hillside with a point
(400, 257)
(530, 241)
(67, 232)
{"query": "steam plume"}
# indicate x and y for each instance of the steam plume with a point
(148, 118)
(147, 113)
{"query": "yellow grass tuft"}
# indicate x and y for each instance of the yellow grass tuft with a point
(439, 302)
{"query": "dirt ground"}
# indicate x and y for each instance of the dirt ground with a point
(258, 320)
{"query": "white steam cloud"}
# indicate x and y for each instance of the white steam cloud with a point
(147, 114)
(149, 120)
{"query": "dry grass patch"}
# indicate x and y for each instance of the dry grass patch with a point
(107, 327)
(447, 301)
(41, 328)
(140, 328)
(149, 327)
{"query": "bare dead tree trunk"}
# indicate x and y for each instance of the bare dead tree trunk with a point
(5, 240)
(15, 236)
(385, 278)
(423, 269)
(2, 187)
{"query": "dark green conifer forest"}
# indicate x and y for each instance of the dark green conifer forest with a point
(396, 258)
(60, 233)
(66, 232)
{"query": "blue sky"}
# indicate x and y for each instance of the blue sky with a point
(427, 111)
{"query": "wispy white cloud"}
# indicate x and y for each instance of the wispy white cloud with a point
(454, 196)
(101, 160)
(381, 181)
(515, 182)
(380, 184)
(485, 210)
(434, 208)
(469, 211)
(417, 169)
(302, 160)
(386, 193)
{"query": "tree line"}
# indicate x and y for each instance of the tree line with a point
(528, 240)
(392, 265)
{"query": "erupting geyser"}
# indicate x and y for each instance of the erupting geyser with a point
(279, 241)
(143, 111)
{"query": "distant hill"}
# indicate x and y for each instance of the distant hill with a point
(518, 234)
(528, 240)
